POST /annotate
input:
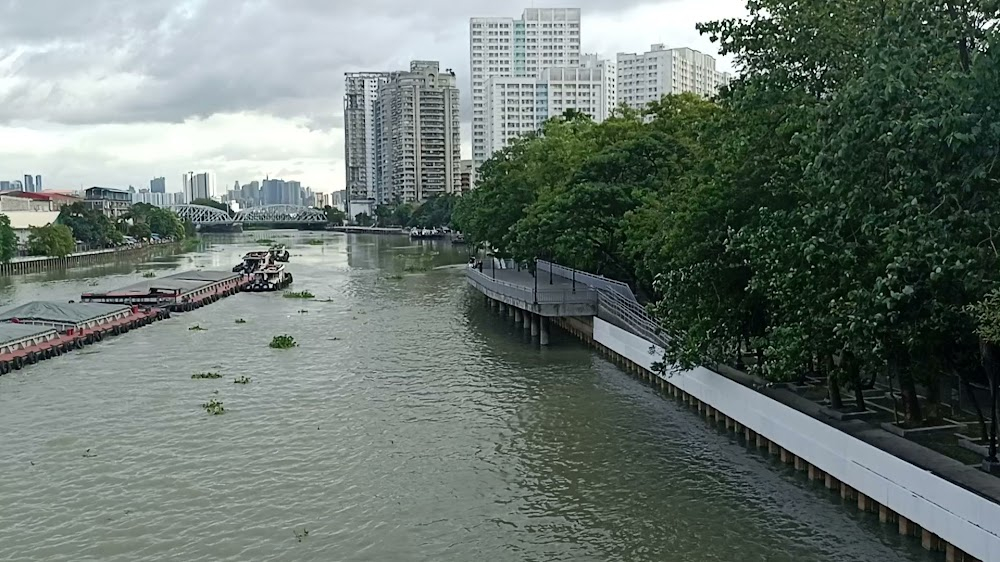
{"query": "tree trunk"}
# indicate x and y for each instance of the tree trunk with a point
(899, 367)
(933, 411)
(991, 362)
(975, 404)
(854, 376)
(832, 384)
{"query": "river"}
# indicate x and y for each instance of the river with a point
(409, 424)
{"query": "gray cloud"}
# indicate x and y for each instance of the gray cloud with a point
(124, 61)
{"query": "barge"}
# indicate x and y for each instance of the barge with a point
(180, 292)
(41, 330)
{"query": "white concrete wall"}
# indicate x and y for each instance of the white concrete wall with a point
(967, 521)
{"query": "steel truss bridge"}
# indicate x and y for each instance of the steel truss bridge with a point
(291, 214)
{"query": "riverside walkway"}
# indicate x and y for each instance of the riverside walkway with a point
(532, 299)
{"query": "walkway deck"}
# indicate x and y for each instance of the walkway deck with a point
(560, 298)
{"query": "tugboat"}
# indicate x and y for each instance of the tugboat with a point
(271, 278)
(426, 234)
(254, 261)
(279, 253)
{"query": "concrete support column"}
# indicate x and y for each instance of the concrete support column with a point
(800, 464)
(865, 503)
(886, 515)
(815, 473)
(906, 527)
(847, 492)
(543, 333)
(930, 541)
(518, 316)
(526, 320)
(831, 482)
(510, 311)
(534, 325)
(503, 309)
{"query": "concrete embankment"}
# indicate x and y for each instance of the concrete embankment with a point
(960, 521)
(21, 266)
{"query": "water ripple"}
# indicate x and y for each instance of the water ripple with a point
(410, 424)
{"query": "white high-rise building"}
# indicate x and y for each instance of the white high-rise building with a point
(609, 78)
(418, 142)
(198, 186)
(360, 95)
(519, 106)
(516, 48)
(649, 76)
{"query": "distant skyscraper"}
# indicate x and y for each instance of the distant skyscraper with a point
(649, 76)
(517, 48)
(38, 182)
(158, 185)
(360, 94)
(4, 185)
(418, 137)
(198, 186)
(29, 183)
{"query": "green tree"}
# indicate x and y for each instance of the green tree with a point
(140, 231)
(214, 204)
(363, 219)
(334, 215)
(89, 226)
(54, 240)
(8, 240)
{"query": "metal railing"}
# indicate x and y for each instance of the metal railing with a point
(616, 302)
(543, 295)
(589, 279)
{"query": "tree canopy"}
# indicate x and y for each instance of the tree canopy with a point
(54, 240)
(8, 240)
(89, 225)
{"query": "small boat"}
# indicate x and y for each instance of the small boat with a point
(426, 233)
(253, 261)
(271, 278)
(279, 253)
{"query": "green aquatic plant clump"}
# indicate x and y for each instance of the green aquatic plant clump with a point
(283, 342)
(242, 380)
(315, 242)
(298, 295)
(214, 407)
(149, 275)
(206, 376)
(264, 241)
(240, 321)
(196, 328)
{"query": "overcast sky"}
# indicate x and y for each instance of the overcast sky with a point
(115, 92)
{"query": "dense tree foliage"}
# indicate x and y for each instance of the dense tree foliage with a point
(89, 226)
(147, 219)
(831, 212)
(334, 215)
(8, 240)
(435, 212)
(214, 204)
(54, 240)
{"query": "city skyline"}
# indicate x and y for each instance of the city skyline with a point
(290, 124)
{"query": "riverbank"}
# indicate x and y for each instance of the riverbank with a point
(39, 264)
(952, 507)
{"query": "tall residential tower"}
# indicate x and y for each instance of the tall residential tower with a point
(418, 139)
(360, 94)
(516, 48)
(649, 76)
